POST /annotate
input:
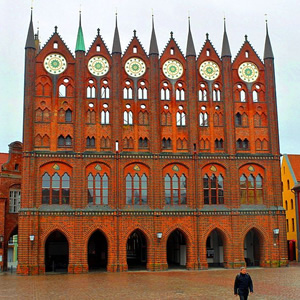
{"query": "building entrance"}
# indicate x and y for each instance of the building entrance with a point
(56, 253)
(252, 248)
(215, 250)
(97, 251)
(136, 250)
(176, 250)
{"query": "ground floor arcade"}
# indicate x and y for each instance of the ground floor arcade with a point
(98, 242)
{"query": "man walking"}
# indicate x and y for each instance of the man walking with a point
(242, 284)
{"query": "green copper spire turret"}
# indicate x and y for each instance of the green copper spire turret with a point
(80, 40)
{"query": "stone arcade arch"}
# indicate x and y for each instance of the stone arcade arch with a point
(97, 251)
(215, 249)
(253, 248)
(56, 252)
(176, 250)
(136, 249)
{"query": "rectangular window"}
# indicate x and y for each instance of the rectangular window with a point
(293, 224)
(287, 226)
(14, 201)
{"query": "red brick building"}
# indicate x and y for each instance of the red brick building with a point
(10, 196)
(135, 160)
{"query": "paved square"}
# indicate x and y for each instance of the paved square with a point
(277, 283)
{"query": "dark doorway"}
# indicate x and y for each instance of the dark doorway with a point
(56, 253)
(252, 249)
(214, 250)
(136, 251)
(97, 252)
(292, 250)
(176, 250)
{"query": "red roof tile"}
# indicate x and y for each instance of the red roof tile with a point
(295, 162)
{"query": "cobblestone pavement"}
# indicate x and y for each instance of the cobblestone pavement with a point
(277, 283)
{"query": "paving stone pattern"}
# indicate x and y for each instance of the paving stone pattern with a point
(277, 283)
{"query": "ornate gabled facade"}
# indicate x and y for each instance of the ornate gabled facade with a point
(136, 160)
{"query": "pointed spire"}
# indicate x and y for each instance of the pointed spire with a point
(268, 53)
(153, 43)
(225, 45)
(30, 36)
(80, 40)
(190, 48)
(116, 43)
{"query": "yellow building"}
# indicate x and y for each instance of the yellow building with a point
(290, 176)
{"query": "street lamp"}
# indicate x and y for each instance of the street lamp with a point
(31, 238)
(275, 235)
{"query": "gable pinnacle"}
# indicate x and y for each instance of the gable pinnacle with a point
(190, 48)
(98, 31)
(116, 43)
(80, 40)
(268, 53)
(225, 45)
(153, 43)
(30, 36)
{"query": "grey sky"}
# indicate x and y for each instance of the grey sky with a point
(242, 17)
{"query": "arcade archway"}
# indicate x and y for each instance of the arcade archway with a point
(252, 251)
(176, 250)
(136, 250)
(215, 250)
(56, 253)
(97, 251)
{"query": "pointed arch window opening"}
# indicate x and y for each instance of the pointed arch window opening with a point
(91, 92)
(167, 143)
(202, 95)
(55, 189)
(180, 94)
(216, 95)
(143, 143)
(255, 96)
(219, 144)
(142, 93)
(64, 142)
(90, 142)
(105, 117)
(97, 189)
(175, 189)
(128, 117)
(203, 119)
(68, 115)
(242, 144)
(180, 119)
(213, 189)
(251, 189)
(165, 93)
(128, 93)
(136, 189)
(242, 96)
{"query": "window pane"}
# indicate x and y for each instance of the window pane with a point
(213, 196)
(136, 196)
(136, 181)
(55, 181)
(213, 182)
(46, 181)
(206, 196)
(205, 182)
(90, 195)
(144, 196)
(168, 196)
(221, 196)
(65, 181)
(90, 181)
(45, 196)
(65, 196)
(98, 181)
(243, 196)
(183, 196)
(251, 182)
(259, 197)
(175, 197)
(55, 196)
(250, 196)
(258, 181)
(175, 182)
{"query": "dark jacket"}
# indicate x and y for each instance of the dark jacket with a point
(242, 284)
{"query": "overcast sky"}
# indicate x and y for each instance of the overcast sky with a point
(242, 17)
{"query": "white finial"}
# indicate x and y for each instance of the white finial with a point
(266, 18)
(31, 4)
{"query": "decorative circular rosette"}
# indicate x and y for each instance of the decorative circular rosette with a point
(173, 69)
(209, 70)
(248, 72)
(55, 63)
(135, 67)
(98, 65)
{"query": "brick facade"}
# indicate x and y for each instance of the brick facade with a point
(152, 145)
(10, 181)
